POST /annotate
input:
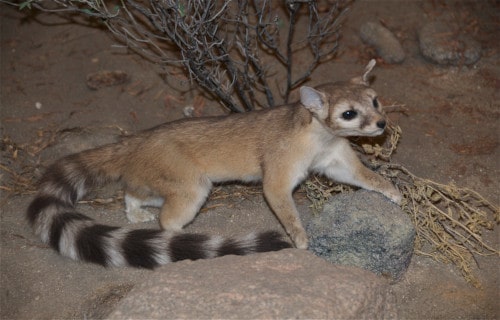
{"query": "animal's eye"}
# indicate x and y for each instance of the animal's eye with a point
(349, 115)
(375, 103)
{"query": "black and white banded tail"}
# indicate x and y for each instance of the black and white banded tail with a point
(53, 217)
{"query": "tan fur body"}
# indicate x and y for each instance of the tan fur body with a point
(175, 165)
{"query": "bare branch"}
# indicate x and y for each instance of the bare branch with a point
(227, 47)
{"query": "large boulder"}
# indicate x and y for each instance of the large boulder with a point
(288, 284)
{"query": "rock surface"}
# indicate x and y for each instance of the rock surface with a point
(441, 43)
(363, 229)
(287, 284)
(384, 41)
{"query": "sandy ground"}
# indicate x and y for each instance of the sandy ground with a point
(450, 134)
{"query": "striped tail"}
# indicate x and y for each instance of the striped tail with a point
(53, 217)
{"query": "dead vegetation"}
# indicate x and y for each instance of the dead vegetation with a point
(16, 170)
(449, 220)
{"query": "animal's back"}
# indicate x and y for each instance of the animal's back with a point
(220, 148)
(152, 155)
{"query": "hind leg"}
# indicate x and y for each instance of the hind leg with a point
(134, 204)
(182, 204)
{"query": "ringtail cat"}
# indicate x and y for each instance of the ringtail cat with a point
(175, 165)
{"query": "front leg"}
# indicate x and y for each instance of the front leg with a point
(346, 167)
(278, 193)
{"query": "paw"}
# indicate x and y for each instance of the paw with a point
(300, 240)
(394, 195)
(140, 215)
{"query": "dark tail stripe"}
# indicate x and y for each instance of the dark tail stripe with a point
(41, 203)
(231, 246)
(91, 243)
(270, 241)
(60, 222)
(188, 246)
(137, 248)
(55, 174)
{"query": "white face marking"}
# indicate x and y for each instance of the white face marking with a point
(356, 118)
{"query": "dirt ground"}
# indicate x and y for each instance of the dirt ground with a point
(450, 134)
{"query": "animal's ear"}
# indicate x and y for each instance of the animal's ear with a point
(364, 79)
(313, 100)
(369, 67)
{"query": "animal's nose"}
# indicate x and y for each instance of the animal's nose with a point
(381, 124)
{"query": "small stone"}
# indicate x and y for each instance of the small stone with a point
(442, 44)
(366, 230)
(384, 41)
(188, 111)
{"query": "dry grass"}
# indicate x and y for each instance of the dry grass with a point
(17, 168)
(449, 220)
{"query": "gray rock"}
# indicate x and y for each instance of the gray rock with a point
(384, 41)
(363, 229)
(291, 283)
(441, 43)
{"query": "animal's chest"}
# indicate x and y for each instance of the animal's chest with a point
(330, 154)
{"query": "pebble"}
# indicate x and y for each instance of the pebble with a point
(442, 44)
(385, 42)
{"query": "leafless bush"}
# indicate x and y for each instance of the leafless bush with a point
(232, 49)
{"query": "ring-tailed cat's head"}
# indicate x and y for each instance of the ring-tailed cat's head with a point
(347, 108)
